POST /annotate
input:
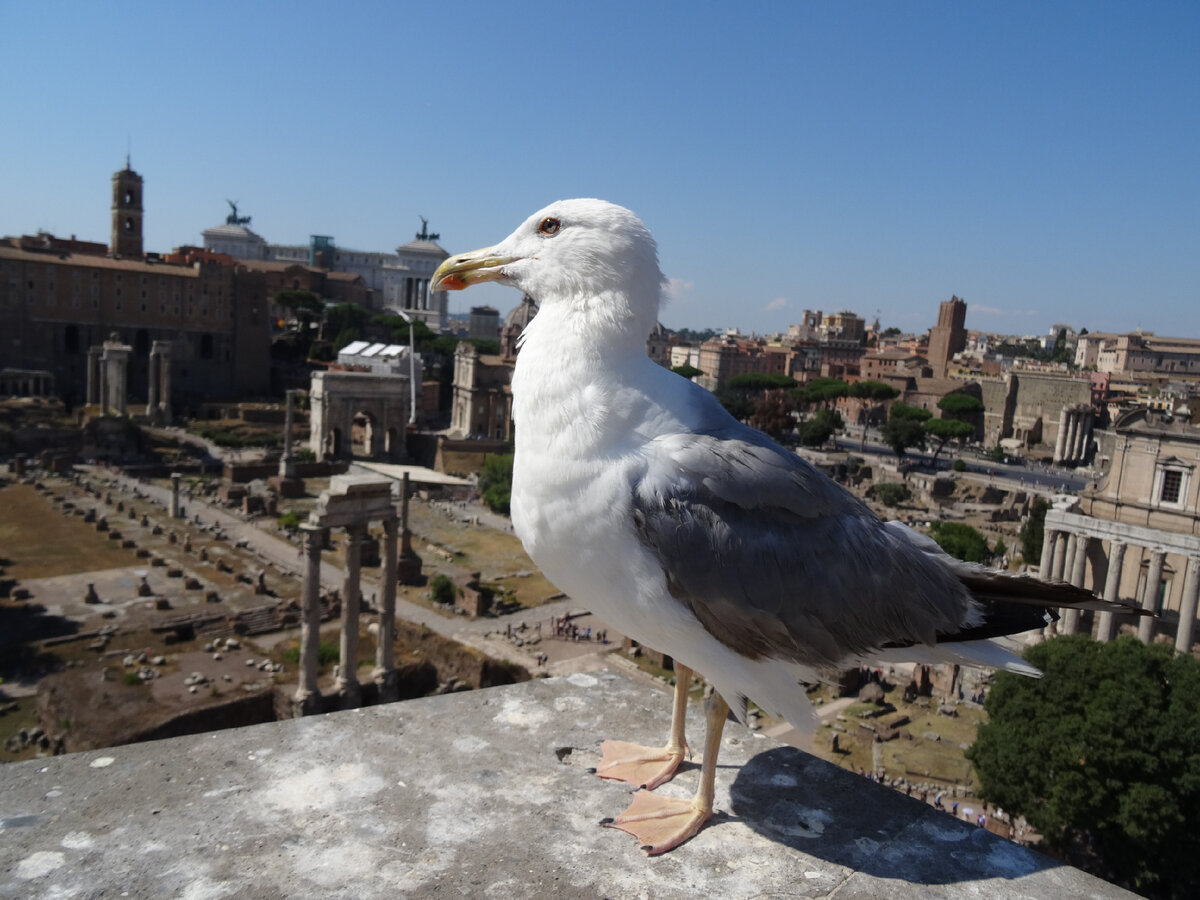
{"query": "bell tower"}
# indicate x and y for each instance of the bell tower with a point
(127, 213)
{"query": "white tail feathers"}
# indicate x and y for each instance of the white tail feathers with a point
(971, 653)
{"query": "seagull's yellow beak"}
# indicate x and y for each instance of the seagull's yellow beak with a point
(466, 269)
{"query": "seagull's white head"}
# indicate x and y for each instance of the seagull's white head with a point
(595, 258)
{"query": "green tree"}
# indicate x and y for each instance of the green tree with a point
(442, 590)
(945, 430)
(1033, 532)
(1102, 756)
(961, 406)
(687, 371)
(961, 541)
(737, 403)
(346, 321)
(824, 390)
(304, 305)
(819, 427)
(758, 381)
(495, 482)
(873, 394)
(891, 493)
(741, 392)
(905, 428)
(772, 413)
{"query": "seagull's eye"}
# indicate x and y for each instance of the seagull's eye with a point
(549, 226)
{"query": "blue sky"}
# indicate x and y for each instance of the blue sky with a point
(1039, 159)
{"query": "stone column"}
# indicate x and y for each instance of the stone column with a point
(385, 661)
(1187, 606)
(1072, 432)
(1058, 557)
(1060, 442)
(1081, 441)
(1047, 554)
(116, 359)
(1062, 556)
(1078, 569)
(93, 374)
(152, 377)
(347, 680)
(1150, 595)
(287, 463)
(174, 509)
(164, 384)
(1112, 589)
(307, 699)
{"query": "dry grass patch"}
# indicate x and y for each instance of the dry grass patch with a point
(40, 541)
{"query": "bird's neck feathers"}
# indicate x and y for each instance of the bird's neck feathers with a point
(605, 326)
(575, 363)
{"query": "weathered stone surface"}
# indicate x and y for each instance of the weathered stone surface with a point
(479, 794)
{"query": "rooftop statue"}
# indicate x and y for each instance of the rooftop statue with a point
(232, 218)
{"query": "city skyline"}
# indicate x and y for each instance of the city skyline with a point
(1037, 161)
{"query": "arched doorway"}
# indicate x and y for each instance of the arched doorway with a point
(333, 443)
(364, 435)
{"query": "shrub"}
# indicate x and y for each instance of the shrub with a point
(495, 482)
(961, 541)
(891, 493)
(327, 653)
(442, 589)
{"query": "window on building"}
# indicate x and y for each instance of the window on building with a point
(1172, 484)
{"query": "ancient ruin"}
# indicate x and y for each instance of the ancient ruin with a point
(351, 503)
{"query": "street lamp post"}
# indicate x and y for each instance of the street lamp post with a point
(412, 368)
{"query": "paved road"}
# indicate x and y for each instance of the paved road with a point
(1044, 477)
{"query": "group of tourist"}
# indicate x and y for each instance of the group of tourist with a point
(562, 628)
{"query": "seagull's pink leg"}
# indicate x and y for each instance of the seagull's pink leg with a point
(663, 823)
(649, 767)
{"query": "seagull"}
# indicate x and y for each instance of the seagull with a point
(636, 493)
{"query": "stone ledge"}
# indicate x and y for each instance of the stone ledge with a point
(479, 794)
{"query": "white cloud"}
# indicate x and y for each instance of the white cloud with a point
(777, 304)
(677, 290)
(989, 310)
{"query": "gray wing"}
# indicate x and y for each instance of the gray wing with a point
(777, 560)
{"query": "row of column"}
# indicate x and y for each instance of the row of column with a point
(416, 293)
(107, 376)
(307, 697)
(1074, 434)
(26, 383)
(1064, 558)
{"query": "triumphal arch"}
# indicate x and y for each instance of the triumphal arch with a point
(358, 414)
